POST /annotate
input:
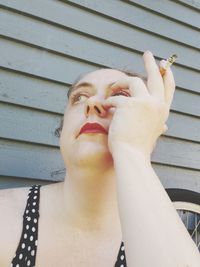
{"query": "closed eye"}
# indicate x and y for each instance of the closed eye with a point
(121, 92)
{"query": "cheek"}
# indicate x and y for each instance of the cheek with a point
(73, 120)
(66, 139)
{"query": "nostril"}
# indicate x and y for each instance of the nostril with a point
(88, 109)
(97, 109)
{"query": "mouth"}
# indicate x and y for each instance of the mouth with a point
(92, 128)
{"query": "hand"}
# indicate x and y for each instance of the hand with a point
(140, 119)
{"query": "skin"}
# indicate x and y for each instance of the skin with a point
(83, 209)
(92, 193)
(107, 176)
(135, 115)
(134, 123)
(88, 192)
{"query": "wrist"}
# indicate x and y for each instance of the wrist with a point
(122, 149)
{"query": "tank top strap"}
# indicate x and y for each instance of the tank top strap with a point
(32, 204)
(27, 248)
(121, 258)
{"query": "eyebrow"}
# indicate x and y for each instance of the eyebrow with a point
(86, 84)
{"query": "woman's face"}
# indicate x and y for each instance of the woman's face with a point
(89, 145)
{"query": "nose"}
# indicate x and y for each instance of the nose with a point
(94, 106)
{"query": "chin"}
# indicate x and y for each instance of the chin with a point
(91, 153)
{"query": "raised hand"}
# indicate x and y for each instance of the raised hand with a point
(140, 119)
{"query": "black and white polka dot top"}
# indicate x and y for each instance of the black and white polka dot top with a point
(27, 248)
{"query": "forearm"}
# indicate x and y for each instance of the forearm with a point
(153, 233)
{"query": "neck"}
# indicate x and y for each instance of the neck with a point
(90, 197)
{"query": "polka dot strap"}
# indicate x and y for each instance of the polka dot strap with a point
(32, 205)
(26, 251)
(121, 258)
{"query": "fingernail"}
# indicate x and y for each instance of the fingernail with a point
(148, 52)
(113, 85)
(163, 63)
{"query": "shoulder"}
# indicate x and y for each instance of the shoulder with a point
(10, 194)
(12, 200)
(12, 205)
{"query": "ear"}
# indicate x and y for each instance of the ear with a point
(58, 130)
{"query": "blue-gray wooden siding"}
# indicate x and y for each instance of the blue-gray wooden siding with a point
(46, 44)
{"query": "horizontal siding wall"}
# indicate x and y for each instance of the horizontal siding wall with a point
(55, 41)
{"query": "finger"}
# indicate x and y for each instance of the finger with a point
(154, 78)
(169, 83)
(136, 86)
(115, 101)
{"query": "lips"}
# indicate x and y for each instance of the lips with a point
(93, 128)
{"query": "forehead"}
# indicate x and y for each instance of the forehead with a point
(103, 76)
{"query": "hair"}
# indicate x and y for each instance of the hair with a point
(127, 72)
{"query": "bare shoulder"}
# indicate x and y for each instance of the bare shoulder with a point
(12, 198)
(12, 191)
(12, 205)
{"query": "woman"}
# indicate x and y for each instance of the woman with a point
(110, 127)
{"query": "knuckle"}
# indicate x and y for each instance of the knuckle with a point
(136, 80)
(156, 105)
